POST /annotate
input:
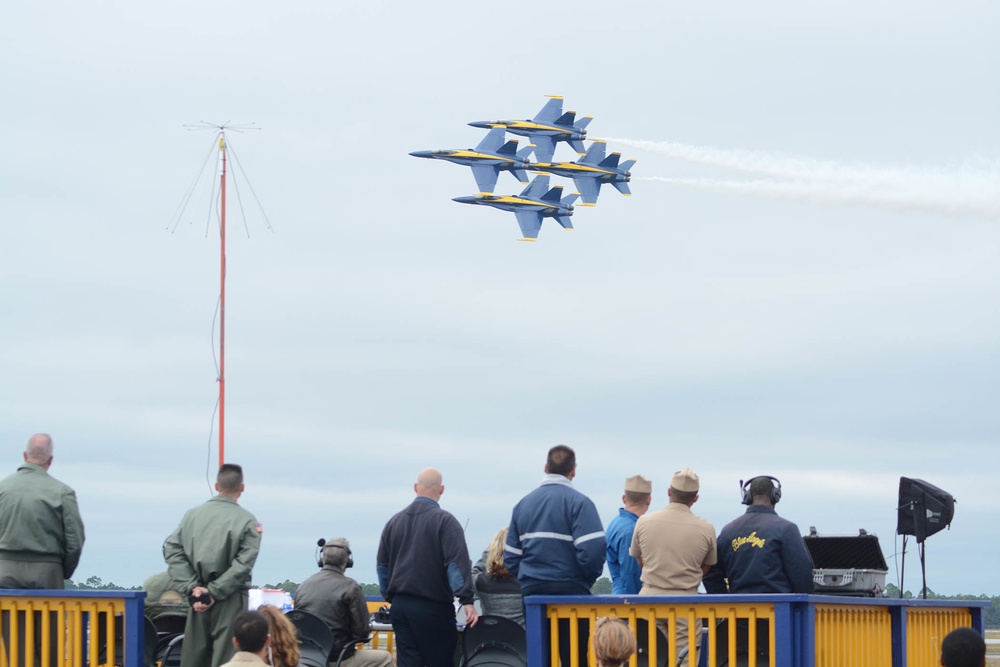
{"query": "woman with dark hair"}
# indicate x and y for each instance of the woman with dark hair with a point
(498, 591)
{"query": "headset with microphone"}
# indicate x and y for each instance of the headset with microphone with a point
(748, 495)
(321, 543)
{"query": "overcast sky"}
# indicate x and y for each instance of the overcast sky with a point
(812, 293)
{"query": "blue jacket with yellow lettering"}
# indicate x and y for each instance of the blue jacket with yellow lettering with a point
(555, 537)
(761, 553)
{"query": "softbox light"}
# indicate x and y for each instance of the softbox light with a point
(923, 509)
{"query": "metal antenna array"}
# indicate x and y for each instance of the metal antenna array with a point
(218, 198)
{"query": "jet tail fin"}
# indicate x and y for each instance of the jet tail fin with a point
(627, 165)
(622, 187)
(520, 175)
(567, 119)
(509, 148)
(578, 146)
(569, 199)
(565, 222)
(611, 161)
(583, 122)
(553, 195)
(526, 151)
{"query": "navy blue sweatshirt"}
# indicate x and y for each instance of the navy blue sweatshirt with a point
(761, 553)
(423, 553)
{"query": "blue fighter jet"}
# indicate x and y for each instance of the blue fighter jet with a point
(545, 129)
(592, 171)
(531, 206)
(488, 159)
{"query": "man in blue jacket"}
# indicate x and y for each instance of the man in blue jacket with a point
(555, 544)
(759, 552)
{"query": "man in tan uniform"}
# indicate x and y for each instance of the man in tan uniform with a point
(675, 549)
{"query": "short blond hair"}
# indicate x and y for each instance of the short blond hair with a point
(614, 642)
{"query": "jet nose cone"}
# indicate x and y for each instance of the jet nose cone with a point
(421, 153)
(481, 123)
(465, 200)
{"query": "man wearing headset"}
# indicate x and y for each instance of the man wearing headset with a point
(338, 601)
(760, 552)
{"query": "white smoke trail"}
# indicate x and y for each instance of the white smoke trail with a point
(971, 190)
(833, 194)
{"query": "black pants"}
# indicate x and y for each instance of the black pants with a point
(583, 625)
(425, 632)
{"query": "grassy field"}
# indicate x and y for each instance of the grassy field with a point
(993, 650)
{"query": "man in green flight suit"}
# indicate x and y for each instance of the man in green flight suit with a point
(41, 537)
(211, 556)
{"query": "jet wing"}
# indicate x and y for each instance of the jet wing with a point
(486, 177)
(589, 189)
(551, 110)
(545, 147)
(493, 140)
(530, 222)
(595, 153)
(537, 188)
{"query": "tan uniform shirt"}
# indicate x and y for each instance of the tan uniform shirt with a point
(673, 544)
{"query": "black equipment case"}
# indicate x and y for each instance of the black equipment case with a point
(847, 564)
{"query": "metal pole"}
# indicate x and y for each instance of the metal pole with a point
(222, 311)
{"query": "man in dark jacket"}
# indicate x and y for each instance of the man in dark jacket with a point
(338, 601)
(760, 552)
(423, 565)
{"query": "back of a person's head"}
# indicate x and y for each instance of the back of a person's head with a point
(39, 449)
(250, 630)
(614, 642)
(561, 460)
(963, 647)
(336, 552)
(284, 642)
(230, 477)
(761, 486)
(494, 556)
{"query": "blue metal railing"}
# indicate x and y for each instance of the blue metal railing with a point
(73, 619)
(807, 630)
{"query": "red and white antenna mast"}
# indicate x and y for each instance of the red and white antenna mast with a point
(222, 302)
(224, 153)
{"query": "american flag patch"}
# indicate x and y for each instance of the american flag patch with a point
(260, 527)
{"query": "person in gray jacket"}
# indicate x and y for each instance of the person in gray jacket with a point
(338, 601)
(498, 590)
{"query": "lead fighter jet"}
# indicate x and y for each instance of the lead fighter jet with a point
(487, 159)
(592, 171)
(546, 128)
(531, 206)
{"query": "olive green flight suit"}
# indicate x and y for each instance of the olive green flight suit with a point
(41, 539)
(215, 546)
